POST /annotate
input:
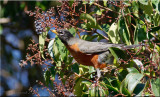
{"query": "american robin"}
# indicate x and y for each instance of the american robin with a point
(88, 53)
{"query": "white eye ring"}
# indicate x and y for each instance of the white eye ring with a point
(60, 33)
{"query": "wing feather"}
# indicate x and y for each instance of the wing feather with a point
(95, 47)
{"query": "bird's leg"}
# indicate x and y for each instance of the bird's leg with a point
(98, 73)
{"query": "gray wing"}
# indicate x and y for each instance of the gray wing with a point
(96, 47)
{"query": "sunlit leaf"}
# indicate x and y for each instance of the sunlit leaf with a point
(135, 8)
(145, 2)
(105, 2)
(50, 48)
(78, 87)
(156, 4)
(113, 33)
(147, 8)
(62, 49)
(92, 21)
(139, 64)
(123, 31)
(132, 70)
(72, 31)
(155, 86)
(131, 81)
(42, 38)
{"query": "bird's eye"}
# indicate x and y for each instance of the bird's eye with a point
(60, 32)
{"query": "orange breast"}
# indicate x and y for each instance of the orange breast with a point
(84, 59)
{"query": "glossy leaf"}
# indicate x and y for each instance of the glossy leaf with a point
(92, 21)
(131, 81)
(147, 8)
(145, 2)
(50, 48)
(155, 85)
(156, 4)
(132, 70)
(42, 38)
(105, 2)
(62, 49)
(123, 31)
(113, 33)
(78, 87)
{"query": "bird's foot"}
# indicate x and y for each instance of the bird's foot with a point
(98, 74)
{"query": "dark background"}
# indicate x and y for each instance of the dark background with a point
(16, 31)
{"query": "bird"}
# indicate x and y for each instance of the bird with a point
(89, 53)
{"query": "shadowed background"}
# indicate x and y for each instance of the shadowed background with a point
(16, 31)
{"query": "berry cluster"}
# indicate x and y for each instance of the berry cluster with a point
(38, 26)
(42, 19)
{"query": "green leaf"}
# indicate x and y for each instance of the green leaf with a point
(88, 37)
(131, 80)
(1, 29)
(155, 86)
(72, 31)
(132, 70)
(91, 70)
(56, 52)
(113, 53)
(123, 31)
(75, 68)
(122, 74)
(140, 33)
(147, 8)
(70, 2)
(88, 83)
(112, 88)
(104, 89)
(78, 87)
(105, 2)
(91, 21)
(144, 2)
(47, 75)
(113, 33)
(139, 89)
(92, 91)
(53, 72)
(155, 56)
(91, 2)
(139, 64)
(85, 2)
(116, 83)
(106, 27)
(135, 8)
(155, 4)
(42, 38)
(117, 53)
(61, 48)
(153, 29)
(50, 48)
(88, 17)
(123, 88)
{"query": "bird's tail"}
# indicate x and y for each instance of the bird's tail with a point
(123, 47)
(130, 46)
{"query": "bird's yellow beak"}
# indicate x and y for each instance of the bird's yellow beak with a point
(54, 31)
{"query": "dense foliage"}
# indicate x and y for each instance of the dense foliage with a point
(134, 72)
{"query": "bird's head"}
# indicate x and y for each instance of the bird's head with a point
(64, 35)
